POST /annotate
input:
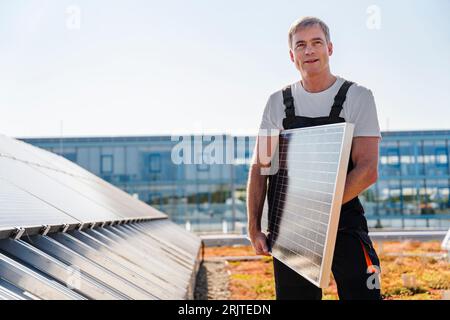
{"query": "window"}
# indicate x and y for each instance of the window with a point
(441, 157)
(155, 199)
(106, 164)
(392, 157)
(203, 160)
(123, 178)
(154, 163)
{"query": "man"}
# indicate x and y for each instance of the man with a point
(321, 98)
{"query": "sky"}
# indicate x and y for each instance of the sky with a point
(140, 67)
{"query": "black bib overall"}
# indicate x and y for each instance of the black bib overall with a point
(354, 253)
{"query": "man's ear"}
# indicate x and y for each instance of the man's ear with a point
(330, 48)
(291, 54)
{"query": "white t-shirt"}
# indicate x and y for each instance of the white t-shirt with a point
(359, 107)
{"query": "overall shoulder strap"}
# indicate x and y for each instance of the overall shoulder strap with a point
(288, 102)
(339, 99)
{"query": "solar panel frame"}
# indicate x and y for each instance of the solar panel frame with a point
(111, 262)
(158, 229)
(173, 253)
(126, 258)
(34, 282)
(323, 272)
(144, 266)
(148, 248)
(88, 266)
(11, 292)
(164, 266)
(58, 270)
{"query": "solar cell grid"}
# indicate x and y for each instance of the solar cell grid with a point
(39, 188)
(303, 206)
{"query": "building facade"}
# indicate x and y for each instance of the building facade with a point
(200, 181)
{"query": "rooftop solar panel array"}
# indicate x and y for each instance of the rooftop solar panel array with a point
(306, 198)
(59, 190)
(67, 234)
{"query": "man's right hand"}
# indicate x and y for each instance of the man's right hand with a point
(259, 243)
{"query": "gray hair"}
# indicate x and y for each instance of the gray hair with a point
(307, 22)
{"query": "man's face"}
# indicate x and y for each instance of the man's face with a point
(310, 51)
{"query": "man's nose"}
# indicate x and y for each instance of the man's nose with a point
(309, 49)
